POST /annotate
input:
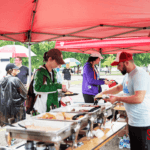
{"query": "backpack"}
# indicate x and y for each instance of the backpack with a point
(31, 97)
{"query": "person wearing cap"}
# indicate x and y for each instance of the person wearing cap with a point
(49, 90)
(12, 96)
(90, 78)
(136, 99)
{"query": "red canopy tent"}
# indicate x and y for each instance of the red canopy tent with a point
(46, 20)
(106, 46)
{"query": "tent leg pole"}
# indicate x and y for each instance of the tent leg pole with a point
(29, 47)
(99, 67)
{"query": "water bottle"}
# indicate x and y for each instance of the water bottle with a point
(128, 142)
(121, 143)
(124, 141)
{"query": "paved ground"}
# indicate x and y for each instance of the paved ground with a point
(113, 144)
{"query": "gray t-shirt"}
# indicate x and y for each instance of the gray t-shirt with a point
(137, 80)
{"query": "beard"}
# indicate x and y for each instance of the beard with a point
(124, 71)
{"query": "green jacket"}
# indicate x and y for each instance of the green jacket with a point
(48, 87)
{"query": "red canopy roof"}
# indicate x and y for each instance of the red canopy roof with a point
(106, 46)
(44, 20)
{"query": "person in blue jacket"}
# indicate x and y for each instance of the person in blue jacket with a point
(91, 80)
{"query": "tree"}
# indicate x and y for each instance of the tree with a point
(142, 59)
(108, 60)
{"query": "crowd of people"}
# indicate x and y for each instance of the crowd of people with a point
(47, 81)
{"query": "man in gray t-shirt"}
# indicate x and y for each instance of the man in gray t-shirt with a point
(136, 87)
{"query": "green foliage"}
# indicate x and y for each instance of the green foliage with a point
(142, 59)
(108, 60)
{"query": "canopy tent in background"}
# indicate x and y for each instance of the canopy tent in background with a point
(14, 51)
(47, 20)
(107, 46)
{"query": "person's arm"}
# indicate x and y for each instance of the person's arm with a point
(90, 76)
(39, 87)
(21, 88)
(140, 85)
(28, 82)
(137, 98)
(114, 90)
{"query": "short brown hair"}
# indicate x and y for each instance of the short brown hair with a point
(20, 58)
(54, 54)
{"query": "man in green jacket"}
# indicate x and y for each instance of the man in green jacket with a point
(48, 90)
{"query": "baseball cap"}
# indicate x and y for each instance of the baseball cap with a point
(57, 55)
(96, 55)
(121, 57)
(11, 66)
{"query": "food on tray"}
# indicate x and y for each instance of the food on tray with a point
(103, 96)
(80, 117)
(84, 105)
(68, 116)
(83, 110)
(73, 110)
(68, 92)
(48, 116)
(57, 116)
(41, 128)
(60, 116)
(99, 96)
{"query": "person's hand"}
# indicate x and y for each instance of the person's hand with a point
(64, 89)
(107, 82)
(111, 99)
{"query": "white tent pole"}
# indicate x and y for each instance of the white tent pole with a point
(29, 47)
(99, 67)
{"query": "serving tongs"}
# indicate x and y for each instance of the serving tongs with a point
(22, 126)
(78, 115)
(93, 109)
(13, 125)
(8, 124)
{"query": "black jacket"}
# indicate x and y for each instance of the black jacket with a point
(12, 96)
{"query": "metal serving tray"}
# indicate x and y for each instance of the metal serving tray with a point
(68, 109)
(82, 121)
(92, 116)
(106, 105)
(64, 131)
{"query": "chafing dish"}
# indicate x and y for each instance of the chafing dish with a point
(79, 124)
(107, 110)
(107, 107)
(65, 129)
(93, 116)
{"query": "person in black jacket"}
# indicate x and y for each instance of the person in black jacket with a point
(67, 75)
(12, 96)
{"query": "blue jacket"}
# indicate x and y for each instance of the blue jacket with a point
(89, 84)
